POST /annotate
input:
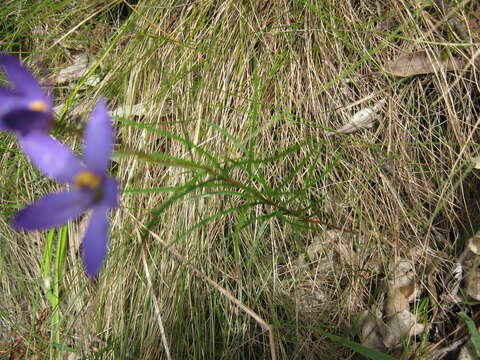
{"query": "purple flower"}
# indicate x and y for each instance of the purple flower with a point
(26, 107)
(91, 188)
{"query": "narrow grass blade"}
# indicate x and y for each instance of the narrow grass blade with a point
(47, 266)
(365, 351)
(473, 331)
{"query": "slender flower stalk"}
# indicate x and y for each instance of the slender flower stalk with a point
(91, 187)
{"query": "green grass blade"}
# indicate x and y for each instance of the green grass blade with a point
(472, 328)
(47, 282)
(363, 350)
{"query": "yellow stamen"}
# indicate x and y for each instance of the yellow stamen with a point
(38, 105)
(87, 179)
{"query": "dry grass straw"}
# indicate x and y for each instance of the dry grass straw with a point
(287, 72)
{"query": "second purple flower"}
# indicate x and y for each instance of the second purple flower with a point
(25, 107)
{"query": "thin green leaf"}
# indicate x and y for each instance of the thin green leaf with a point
(472, 328)
(363, 350)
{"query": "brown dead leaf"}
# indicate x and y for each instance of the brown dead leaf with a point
(402, 274)
(468, 351)
(474, 243)
(391, 321)
(369, 334)
(472, 281)
(407, 291)
(402, 324)
(395, 303)
(476, 162)
(422, 62)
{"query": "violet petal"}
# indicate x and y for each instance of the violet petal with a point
(24, 121)
(21, 78)
(16, 114)
(51, 157)
(95, 243)
(98, 139)
(9, 101)
(53, 210)
(110, 190)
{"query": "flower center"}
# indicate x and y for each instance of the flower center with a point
(38, 105)
(87, 180)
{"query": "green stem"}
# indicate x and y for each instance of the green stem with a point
(51, 285)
